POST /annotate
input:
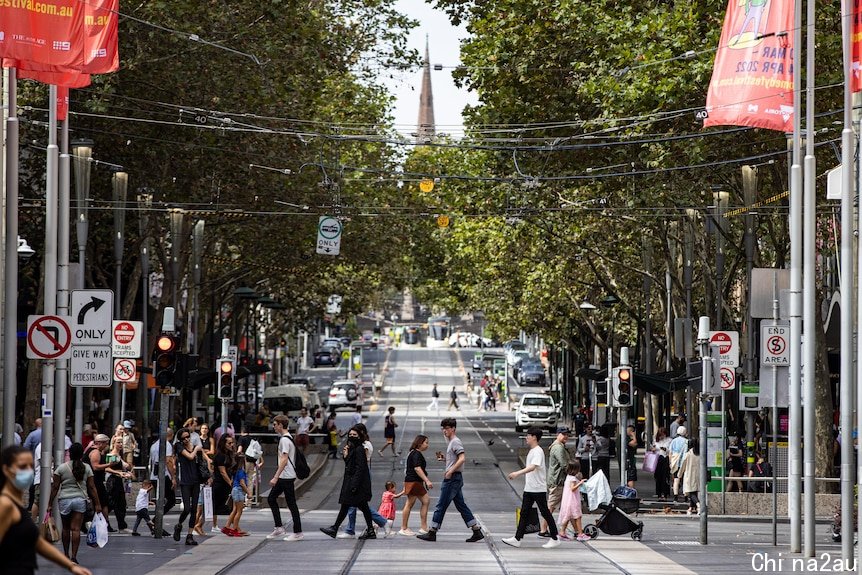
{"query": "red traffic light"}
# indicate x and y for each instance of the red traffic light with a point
(625, 374)
(226, 367)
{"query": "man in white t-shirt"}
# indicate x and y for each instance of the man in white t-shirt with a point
(282, 482)
(535, 491)
(169, 474)
(304, 426)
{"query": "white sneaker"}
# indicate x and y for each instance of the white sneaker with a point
(407, 533)
(346, 535)
(421, 532)
(215, 530)
(295, 537)
(512, 541)
(276, 533)
(551, 543)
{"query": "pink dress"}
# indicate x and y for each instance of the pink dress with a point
(570, 506)
(387, 506)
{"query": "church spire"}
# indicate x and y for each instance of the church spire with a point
(425, 130)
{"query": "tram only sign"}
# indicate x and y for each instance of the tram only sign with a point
(728, 347)
(126, 338)
(774, 343)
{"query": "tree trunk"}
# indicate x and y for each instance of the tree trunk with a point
(824, 410)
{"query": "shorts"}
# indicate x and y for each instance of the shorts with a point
(555, 496)
(302, 440)
(73, 505)
(238, 495)
(415, 488)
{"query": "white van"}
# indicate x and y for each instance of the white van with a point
(290, 399)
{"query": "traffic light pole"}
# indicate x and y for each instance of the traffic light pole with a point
(703, 341)
(162, 475)
(623, 440)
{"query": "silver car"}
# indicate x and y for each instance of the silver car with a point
(343, 394)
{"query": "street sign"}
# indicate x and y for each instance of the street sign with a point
(426, 185)
(728, 378)
(126, 338)
(48, 337)
(328, 236)
(774, 340)
(770, 377)
(92, 311)
(91, 366)
(728, 346)
(124, 370)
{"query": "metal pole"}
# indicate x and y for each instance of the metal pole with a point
(775, 316)
(62, 374)
(794, 480)
(50, 294)
(749, 189)
(143, 399)
(83, 151)
(10, 320)
(847, 303)
(809, 295)
(4, 116)
(703, 341)
(120, 186)
(163, 474)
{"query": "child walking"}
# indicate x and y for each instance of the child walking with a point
(142, 508)
(387, 506)
(238, 494)
(570, 507)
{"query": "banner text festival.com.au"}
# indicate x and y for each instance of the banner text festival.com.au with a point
(39, 7)
(758, 81)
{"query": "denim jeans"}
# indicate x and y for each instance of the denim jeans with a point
(351, 519)
(450, 492)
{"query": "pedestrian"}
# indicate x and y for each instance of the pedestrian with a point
(735, 464)
(602, 458)
(31, 442)
(72, 486)
(19, 537)
(389, 432)
(283, 482)
(674, 425)
(304, 426)
(558, 461)
(130, 443)
(480, 394)
(435, 400)
(678, 447)
(96, 458)
(387, 506)
(452, 486)
(662, 469)
(208, 443)
(224, 466)
(587, 450)
(356, 418)
(416, 486)
(570, 506)
(631, 454)
(761, 468)
(142, 508)
(189, 458)
(169, 474)
(238, 495)
(690, 470)
(332, 432)
(355, 487)
(118, 473)
(453, 400)
(535, 491)
(350, 529)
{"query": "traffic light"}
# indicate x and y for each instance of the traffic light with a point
(166, 359)
(226, 368)
(622, 385)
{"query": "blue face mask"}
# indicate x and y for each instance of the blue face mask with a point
(24, 479)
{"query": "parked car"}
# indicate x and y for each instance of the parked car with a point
(411, 335)
(326, 357)
(515, 344)
(345, 341)
(535, 409)
(343, 394)
(513, 356)
(332, 342)
(531, 373)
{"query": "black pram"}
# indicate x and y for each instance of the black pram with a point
(615, 519)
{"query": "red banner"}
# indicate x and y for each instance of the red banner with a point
(42, 31)
(752, 80)
(101, 34)
(70, 79)
(62, 103)
(856, 40)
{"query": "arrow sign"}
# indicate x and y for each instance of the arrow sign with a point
(48, 337)
(94, 304)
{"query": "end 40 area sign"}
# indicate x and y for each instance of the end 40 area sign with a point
(328, 236)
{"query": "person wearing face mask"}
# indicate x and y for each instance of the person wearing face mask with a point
(72, 484)
(356, 486)
(19, 536)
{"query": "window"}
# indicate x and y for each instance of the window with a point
(537, 401)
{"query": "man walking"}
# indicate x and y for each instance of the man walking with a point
(558, 460)
(304, 426)
(282, 482)
(453, 483)
(535, 491)
(435, 400)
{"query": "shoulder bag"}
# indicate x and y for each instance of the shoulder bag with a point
(204, 474)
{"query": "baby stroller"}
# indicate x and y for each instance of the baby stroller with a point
(615, 519)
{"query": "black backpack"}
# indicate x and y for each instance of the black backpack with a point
(300, 465)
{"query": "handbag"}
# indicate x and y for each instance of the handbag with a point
(48, 529)
(533, 525)
(650, 461)
(89, 507)
(203, 469)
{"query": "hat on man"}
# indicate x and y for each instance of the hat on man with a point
(564, 430)
(102, 438)
(681, 431)
(128, 424)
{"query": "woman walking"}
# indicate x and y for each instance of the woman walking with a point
(72, 485)
(389, 432)
(119, 471)
(355, 487)
(188, 458)
(416, 486)
(662, 468)
(690, 470)
(224, 466)
(19, 536)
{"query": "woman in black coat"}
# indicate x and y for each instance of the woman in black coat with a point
(356, 486)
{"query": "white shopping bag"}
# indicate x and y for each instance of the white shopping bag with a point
(101, 529)
(208, 502)
(598, 490)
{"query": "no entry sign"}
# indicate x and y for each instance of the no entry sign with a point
(728, 346)
(126, 338)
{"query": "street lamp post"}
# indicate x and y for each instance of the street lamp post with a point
(609, 301)
(589, 308)
(82, 157)
(10, 323)
(145, 202)
(120, 185)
